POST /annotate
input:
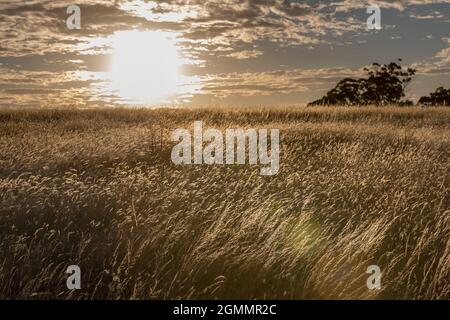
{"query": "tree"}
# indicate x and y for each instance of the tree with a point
(441, 97)
(385, 84)
(346, 92)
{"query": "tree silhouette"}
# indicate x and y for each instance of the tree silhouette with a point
(385, 84)
(441, 97)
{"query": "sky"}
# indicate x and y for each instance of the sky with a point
(210, 53)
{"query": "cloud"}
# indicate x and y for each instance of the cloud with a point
(400, 5)
(245, 54)
(41, 59)
(38, 88)
(39, 26)
(278, 81)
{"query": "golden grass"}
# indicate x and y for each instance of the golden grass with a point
(357, 187)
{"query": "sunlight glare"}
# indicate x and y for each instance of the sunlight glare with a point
(145, 67)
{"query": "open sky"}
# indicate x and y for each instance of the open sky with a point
(210, 52)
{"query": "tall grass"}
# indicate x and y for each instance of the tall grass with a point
(96, 188)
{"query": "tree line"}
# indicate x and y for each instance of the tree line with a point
(384, 85)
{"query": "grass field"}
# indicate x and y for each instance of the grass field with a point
(96, 188)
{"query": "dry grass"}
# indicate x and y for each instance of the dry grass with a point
(96, 188)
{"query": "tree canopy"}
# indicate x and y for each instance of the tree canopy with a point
(385, 84)
(441, 97)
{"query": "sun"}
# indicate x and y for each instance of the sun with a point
(145, 66)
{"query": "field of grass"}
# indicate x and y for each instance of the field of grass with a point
(97, 188)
